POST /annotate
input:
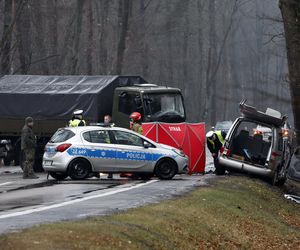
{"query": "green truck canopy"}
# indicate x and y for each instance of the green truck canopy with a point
(56, 97)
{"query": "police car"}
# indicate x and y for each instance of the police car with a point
(79, 152)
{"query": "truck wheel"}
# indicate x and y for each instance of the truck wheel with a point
(166, 170)
(6, 161)
(17, 159)
(58, 175)
(79, 169)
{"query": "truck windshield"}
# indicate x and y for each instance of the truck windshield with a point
(166, 107)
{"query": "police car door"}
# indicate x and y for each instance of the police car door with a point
(131, 154)
(100, 152)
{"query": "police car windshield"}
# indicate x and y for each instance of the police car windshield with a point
(164, 105)
(61, 135)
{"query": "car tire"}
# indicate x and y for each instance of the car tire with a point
(280, 176)
(278, 181)
(166, 169)
(58, 175)
(79, 169)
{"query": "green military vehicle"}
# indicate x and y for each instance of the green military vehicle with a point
(51, 100)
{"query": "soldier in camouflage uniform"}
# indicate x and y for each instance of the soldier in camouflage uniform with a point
(28, 145)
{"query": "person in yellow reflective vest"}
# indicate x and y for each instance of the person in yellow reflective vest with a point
(215, 140)
(77, 119)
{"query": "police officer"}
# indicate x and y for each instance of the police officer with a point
(135, 123)
(77, 119)
(215, 140)
(28, 145)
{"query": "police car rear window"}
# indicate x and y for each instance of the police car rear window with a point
(62, 135)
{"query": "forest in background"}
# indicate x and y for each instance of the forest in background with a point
(217, 52)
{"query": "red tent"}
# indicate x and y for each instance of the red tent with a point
(190, 137)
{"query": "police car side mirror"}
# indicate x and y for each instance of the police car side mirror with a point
(146, 144)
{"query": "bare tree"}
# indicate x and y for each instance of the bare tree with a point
(290, 10)
(89, 56)
(5, 45)
(76, 36)
(23, 29)
(123, 21)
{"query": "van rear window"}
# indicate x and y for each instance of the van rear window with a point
(62, 135)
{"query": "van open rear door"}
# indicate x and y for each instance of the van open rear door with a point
(271, 117)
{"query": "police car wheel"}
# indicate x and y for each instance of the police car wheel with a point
(79, 169)
(166, 170)
(58, 175)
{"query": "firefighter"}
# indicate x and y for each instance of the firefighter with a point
(28, 145)
(135, 123)
(215, 140)
(136, 126)
(77, 119)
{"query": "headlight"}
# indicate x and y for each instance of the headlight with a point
(179, 152)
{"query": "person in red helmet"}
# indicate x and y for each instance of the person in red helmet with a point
(135, 122)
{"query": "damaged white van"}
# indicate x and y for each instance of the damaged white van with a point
(258, 143)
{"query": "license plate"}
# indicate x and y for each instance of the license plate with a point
(48, 163)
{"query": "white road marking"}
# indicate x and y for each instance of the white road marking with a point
(5, 183)
(66, 203)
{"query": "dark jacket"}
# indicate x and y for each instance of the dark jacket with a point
(215, 148)
(28, 139)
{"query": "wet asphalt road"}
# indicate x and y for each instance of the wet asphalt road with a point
(25, 203)
(68, 200)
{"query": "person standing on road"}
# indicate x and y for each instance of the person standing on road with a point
(135, 123)
(108, 121)
(215, 140)
(136, 126)
(77, 119)
(28, 145)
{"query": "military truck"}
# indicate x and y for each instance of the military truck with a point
(51, 100)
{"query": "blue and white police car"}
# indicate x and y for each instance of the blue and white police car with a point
(79, 152)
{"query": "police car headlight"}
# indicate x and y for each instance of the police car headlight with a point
(179, 152)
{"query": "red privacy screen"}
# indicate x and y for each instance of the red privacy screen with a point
(190, 137)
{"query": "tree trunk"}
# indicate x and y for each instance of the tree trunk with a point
(38, 22)
(290, 10)
(89, 57)
(53, 38)
(123, 21)
(23, 29)
(76, 40)
(5, 45)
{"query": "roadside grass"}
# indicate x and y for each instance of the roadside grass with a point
(233, 212)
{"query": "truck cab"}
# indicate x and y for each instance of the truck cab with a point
(155, 103)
